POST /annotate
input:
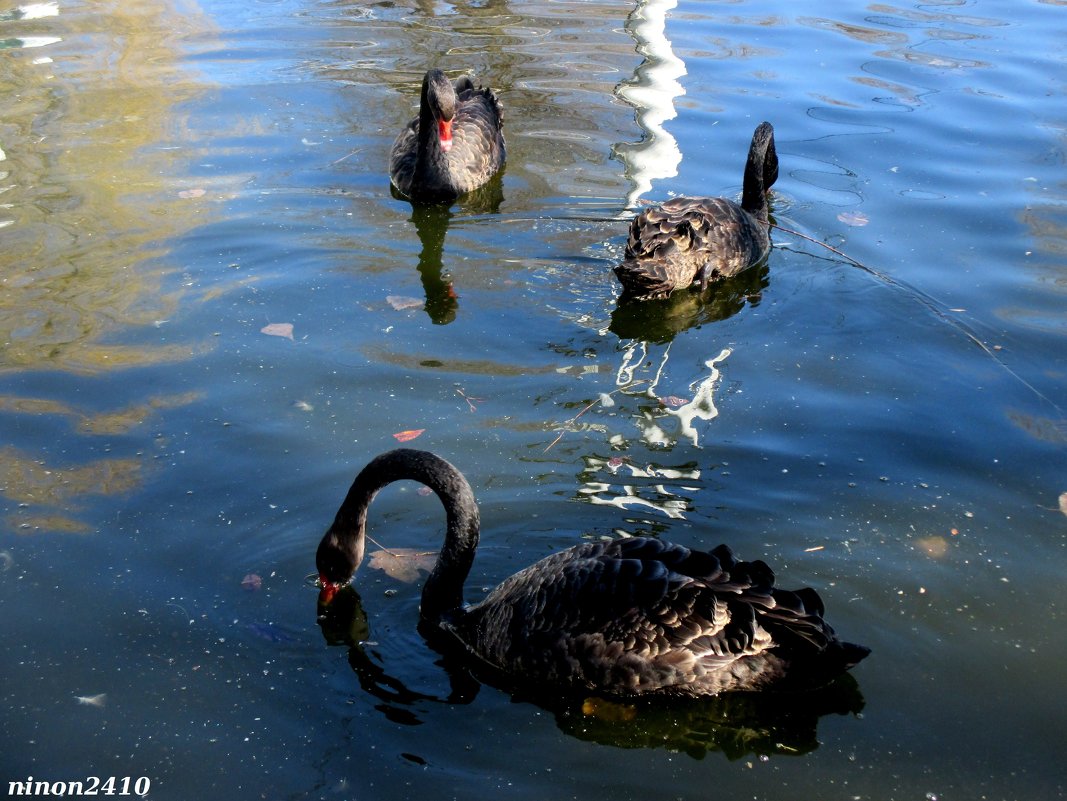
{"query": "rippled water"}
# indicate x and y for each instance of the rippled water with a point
(179, 181)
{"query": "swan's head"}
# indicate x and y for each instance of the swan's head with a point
(337, 559)
(441, 96)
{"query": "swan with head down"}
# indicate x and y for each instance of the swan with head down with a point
(698, 240)
(625, 617)
(454, 145)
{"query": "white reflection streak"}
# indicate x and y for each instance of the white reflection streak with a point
(668, 502)
(651, 92)
(37, 41)
(38, 10)
(702, 407)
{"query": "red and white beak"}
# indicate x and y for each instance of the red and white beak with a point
(327, 590)
(444, 133)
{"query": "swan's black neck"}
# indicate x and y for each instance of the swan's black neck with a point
(438, 98)
(443, 591)
(761, 171)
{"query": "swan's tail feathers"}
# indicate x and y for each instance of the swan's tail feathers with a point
(463, 84)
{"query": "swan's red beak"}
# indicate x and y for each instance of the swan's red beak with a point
(444, 133)
(328, 589)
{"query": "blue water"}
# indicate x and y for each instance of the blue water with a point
(887, 428)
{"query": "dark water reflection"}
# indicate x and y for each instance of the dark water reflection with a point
(174, 180)
(660, 321)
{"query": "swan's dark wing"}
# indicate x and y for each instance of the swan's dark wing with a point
(402, 156)
(689, 239)
(638, 615)
(478, 150)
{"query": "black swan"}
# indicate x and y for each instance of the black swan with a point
(455, 145)
(699, 240)
(623, 617)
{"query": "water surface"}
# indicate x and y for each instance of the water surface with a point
(177, 179)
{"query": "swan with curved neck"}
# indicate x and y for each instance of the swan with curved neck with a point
(696, 241)
(624, 617)
(455, 145)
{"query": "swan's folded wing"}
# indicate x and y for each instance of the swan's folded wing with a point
(478, 149)
(635, 615)
(402, 156)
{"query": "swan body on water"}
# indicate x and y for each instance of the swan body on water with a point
(699, 240)
(624, 617)
(454, 145)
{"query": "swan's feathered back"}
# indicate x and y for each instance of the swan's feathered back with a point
(700, 240)
(670, 245)
(638, 615)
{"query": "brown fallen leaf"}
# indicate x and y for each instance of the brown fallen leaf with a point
(608, 711)
(934, 546)
(278, 330)
(252, 582)
(407, 436)
(402, 564)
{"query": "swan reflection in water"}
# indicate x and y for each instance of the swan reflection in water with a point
(431, 221)
(661, 320)
(737, 725)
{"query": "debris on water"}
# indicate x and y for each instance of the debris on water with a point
(934, 546)
(252, 582)
(401, 302)
(608, 711)
(402, 564)
(92, 700)
(278, 330)
(853, 218)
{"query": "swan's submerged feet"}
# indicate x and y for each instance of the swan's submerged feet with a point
(624, 617)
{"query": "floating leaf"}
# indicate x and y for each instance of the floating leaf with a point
(407, 436)
(853, 218)
(673, 401)
(278, 330)
(608, 711)
(252, 582)
(935, 547)
(401, 302)
(403, 564)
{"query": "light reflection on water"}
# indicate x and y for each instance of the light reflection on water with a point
(174, 180)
